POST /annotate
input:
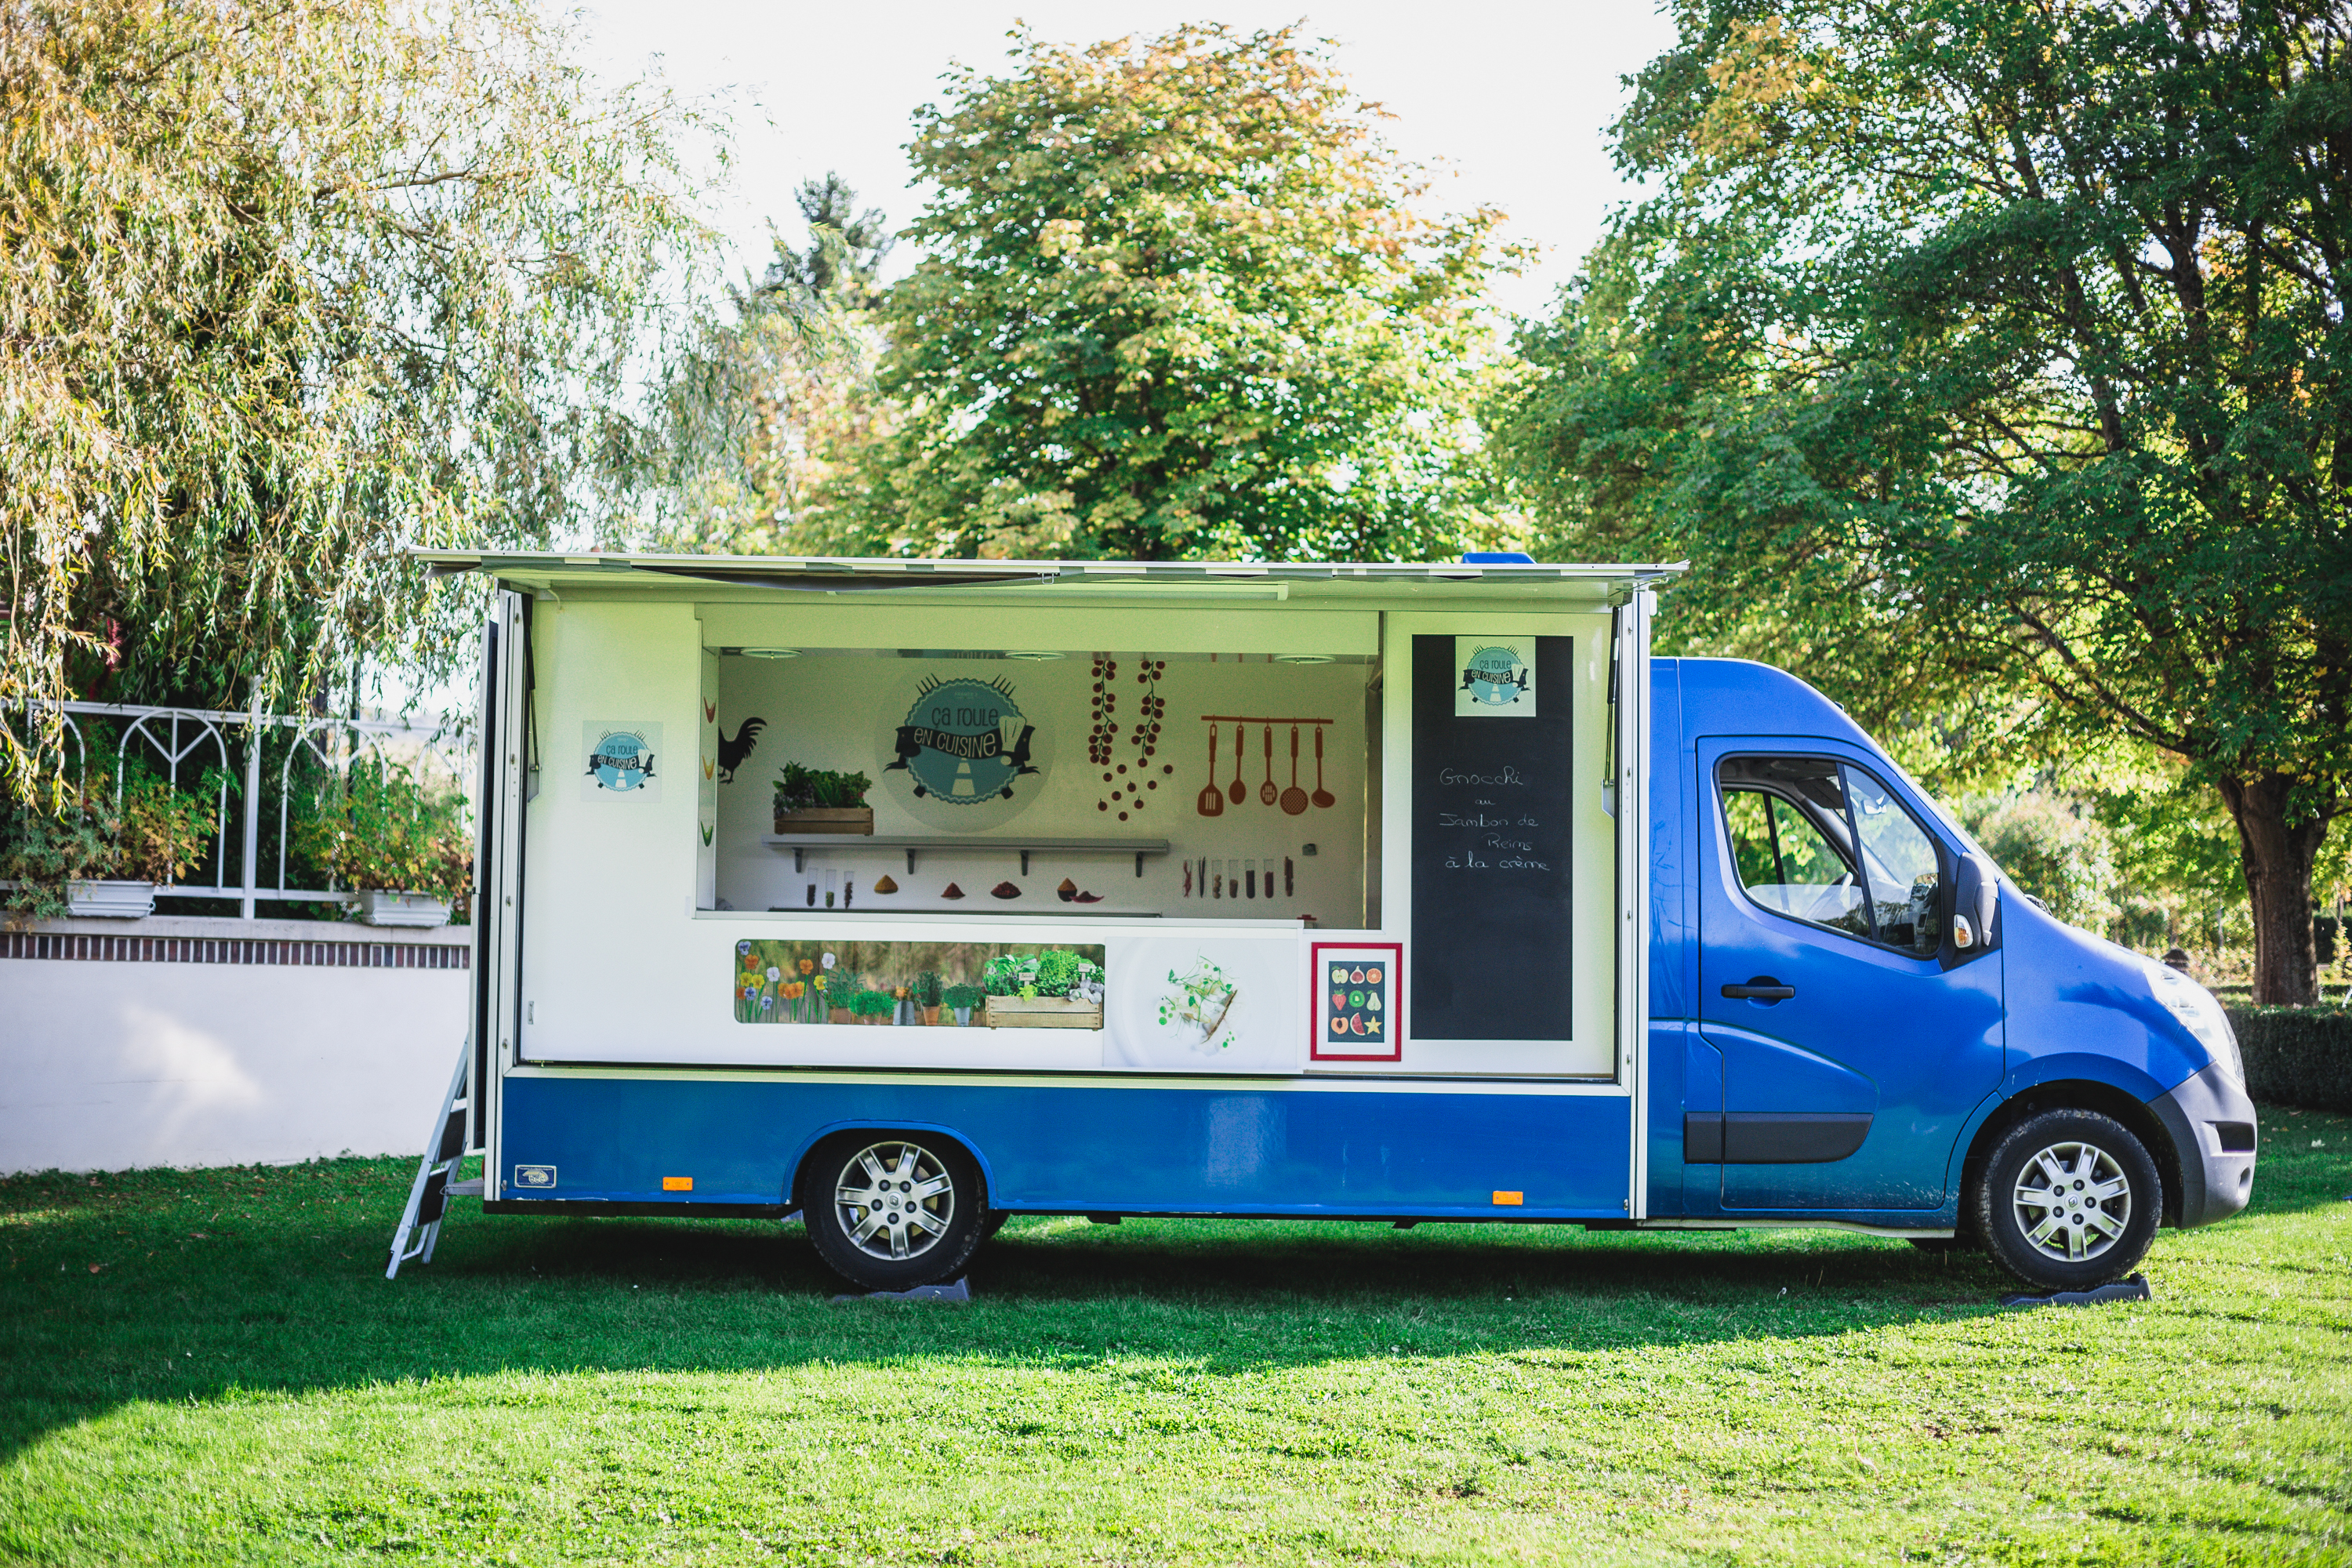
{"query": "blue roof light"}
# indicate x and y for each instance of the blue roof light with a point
(1498, 558)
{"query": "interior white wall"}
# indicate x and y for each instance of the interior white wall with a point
(838, 713)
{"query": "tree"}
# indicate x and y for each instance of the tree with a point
(758, 413)
(1983, 348)
(293, 283)
(847, 249)
(1176, 299)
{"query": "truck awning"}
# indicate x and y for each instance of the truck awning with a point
(595, 574)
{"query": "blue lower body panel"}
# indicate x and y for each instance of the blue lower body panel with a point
(1100, 1147)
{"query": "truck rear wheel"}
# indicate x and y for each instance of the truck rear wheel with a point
(2068, 1200)
(890, 1210)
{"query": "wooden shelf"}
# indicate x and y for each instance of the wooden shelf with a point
(800, 844)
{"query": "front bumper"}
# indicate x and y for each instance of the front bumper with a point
(2211, 1123)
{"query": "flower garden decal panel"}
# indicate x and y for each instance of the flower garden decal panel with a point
(927, 985)
(1356, 1002)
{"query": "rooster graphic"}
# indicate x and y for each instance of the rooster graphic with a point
(732, 754)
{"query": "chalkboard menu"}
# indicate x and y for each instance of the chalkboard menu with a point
(1491, 750)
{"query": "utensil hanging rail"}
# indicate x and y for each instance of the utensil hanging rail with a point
(1257, 718)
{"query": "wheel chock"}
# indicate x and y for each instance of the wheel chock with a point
(2133, 1288)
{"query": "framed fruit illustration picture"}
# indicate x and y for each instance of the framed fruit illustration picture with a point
(1357, 988)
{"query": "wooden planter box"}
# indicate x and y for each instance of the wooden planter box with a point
(1042, 1012)
(850, 819)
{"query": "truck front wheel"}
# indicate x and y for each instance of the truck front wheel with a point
(2068, 1200)
(891, 1211)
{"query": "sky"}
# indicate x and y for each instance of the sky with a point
(1513, 100)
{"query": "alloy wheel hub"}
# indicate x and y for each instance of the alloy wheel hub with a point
(894, 1200)
(2072, 1202)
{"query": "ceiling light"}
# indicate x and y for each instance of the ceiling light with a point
(771, 653)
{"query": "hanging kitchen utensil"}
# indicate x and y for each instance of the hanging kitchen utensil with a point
(1265, 791)
(1239, 791)
(1213, 799)
(1324, 799)
(1293, 799)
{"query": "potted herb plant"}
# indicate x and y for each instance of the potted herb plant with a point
(960, 1000)
(811, 800)
(927, 996)
(403, 850)
(872, 1006)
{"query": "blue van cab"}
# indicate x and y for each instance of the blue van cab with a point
(1853, 1042)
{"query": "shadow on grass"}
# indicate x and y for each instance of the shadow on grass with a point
(1047, 1264)
(169, 1286)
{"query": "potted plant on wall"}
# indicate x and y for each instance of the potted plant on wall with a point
(104, 852)
(401, 848)
(926, 997)
(811, 800)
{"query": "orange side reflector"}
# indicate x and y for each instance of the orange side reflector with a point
(1511, 1200)
(685, 1185)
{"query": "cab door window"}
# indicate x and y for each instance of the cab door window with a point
(1825, 843)
(1904, 871)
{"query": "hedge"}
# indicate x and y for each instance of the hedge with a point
(2297, 1056)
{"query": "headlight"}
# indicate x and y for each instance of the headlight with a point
(2201, 1013)
(2235, 1065)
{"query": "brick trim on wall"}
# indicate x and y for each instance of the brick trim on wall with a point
(75, 946)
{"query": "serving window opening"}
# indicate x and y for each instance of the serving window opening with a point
(1044, 783)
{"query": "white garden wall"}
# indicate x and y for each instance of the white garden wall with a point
(220, 1042)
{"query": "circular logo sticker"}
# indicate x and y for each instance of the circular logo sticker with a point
(1494, 676)
(620, 760)
(966, 745)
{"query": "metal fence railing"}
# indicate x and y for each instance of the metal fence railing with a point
(276, 755)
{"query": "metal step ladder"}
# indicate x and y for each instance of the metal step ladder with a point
(429, 1195)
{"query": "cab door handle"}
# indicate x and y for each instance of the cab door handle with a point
(1762, 988)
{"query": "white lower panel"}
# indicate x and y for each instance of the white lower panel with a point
(730, 992)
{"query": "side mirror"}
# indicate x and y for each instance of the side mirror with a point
(1976, 906)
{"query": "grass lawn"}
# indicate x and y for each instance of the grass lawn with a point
(207, 1367)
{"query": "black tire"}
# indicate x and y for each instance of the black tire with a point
(2081, 1217)
(993, 1223)
(890, 1210)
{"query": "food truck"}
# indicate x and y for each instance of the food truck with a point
(903, 896)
